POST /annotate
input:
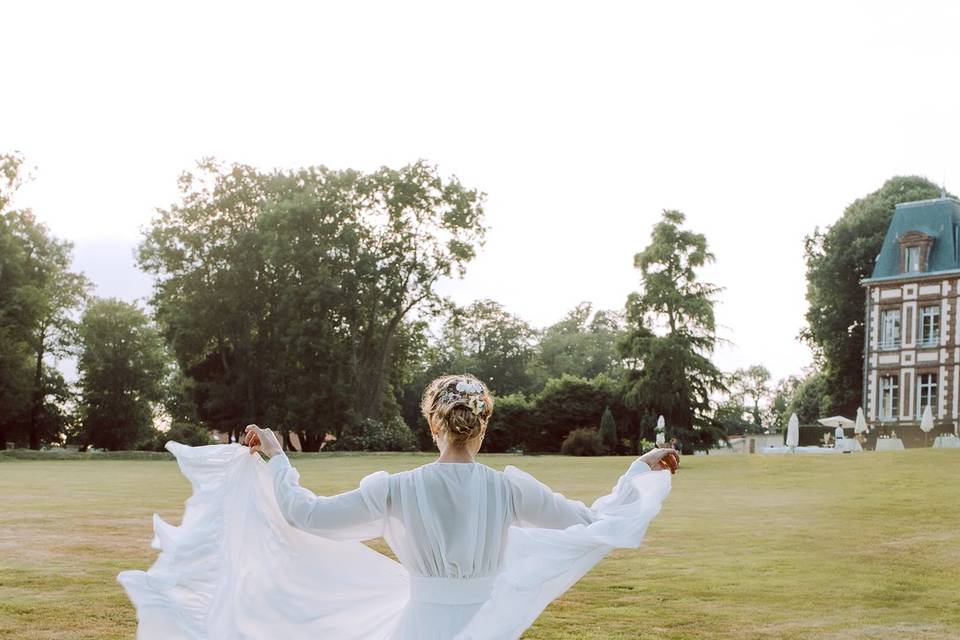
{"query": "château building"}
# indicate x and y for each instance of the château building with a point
(912, 351)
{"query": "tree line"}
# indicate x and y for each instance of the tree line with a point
(307, 300)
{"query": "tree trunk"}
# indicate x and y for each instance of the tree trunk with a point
(371, 408)
(37, 401)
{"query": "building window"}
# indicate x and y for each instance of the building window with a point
(890, 329)
(889, 397)
(926, 393)
(911, 259)
(930, 325)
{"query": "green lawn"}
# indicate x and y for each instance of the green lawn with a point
(854, 546)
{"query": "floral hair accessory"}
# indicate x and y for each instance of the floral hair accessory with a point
(471, 392)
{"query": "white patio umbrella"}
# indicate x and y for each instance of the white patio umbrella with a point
(661, 431)
(793, 431)
(926, 422)
(861, 426)
(836, 421)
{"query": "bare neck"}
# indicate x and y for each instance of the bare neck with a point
(455, 454)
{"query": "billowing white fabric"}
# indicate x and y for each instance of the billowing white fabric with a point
(481, 552)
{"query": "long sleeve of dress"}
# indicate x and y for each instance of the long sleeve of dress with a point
(536, 505)
(358, 514)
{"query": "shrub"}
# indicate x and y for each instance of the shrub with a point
(582, 442)
(182, 432)
(566, 403)
(608, 431)
(512, 426)
(373, 435)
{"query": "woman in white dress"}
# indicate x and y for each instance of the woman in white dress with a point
(481, 552)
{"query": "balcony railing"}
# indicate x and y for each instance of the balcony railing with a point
(929, 341)
(889, 345)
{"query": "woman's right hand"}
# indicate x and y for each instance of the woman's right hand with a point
(662, 459)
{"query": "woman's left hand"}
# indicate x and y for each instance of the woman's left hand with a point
(661, 459)
(262, 440)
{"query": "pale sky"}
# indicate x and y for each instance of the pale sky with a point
(581, 121)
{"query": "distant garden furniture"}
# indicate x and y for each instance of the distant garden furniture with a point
(946, 441)
(775, 450)
(889, 444)
(848, 445)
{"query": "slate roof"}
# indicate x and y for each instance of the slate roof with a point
(939, 218)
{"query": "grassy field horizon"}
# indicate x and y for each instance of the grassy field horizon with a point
(794, 547)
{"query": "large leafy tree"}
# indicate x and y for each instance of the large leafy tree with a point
(38, 294)
(671, 336)
(837, 259)
(582, 344)
(122, 366)
(482, 339)
(15, 314)
(809, 398)
(293, 297)
(486, 340)
(58, 292)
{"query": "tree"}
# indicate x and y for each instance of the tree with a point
(750, 387)
(122, 366)
(608, 432)
(779, 409)
(837, 259)
(810, 399)
(38, 294)
(290, 297)
(485, 340)
(734, 416)
(58, 292)
(670, 373)
(583, 344)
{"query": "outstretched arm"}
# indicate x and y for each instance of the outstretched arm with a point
(357, 514)
(535, 504)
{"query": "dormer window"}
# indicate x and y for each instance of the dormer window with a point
(911, 259)
(915, 251)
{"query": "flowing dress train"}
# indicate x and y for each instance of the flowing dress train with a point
(481, 552)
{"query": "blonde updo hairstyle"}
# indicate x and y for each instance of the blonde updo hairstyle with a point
(460, 415)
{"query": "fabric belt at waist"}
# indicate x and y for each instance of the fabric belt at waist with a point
(451, 590)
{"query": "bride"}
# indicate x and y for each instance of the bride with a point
(481, 552)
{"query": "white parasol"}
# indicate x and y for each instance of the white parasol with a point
(926, 422)
(861, 426)
(836, 421)
(793, 431)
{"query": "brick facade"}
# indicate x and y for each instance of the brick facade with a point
(908, 357)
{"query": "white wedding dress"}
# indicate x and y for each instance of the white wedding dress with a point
(481, 552)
